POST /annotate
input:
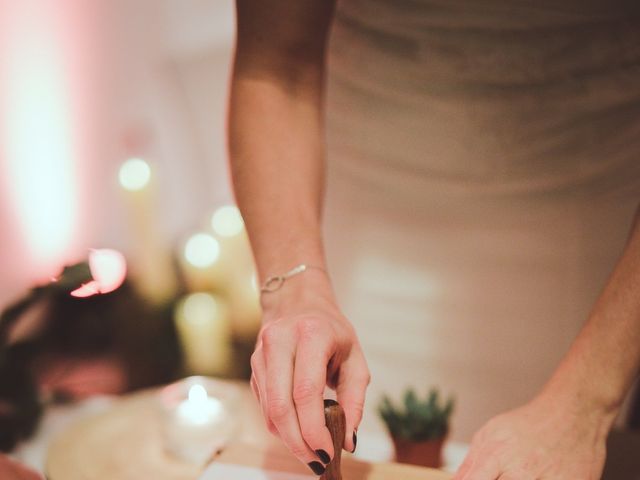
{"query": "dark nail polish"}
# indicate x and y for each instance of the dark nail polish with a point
(355, 440)
(317, 468)
(329, 403)
(324, 456)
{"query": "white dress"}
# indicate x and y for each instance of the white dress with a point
(484, 167)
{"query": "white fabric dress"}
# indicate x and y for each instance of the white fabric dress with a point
(484, 168)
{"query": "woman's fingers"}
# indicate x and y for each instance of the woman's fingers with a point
(278, 348)
(478, 467)
(309, 380)
(258, 385)
(352, 386)
(290, 371)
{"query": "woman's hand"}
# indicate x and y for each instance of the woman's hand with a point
(305, 345)
(10, 470)
(561, 434)
(547, 439)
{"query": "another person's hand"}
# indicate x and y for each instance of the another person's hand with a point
(548, 439)
(305, 345)
(10, 470)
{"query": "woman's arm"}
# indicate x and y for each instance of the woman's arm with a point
(604, 361)
(561, 434)
(277, 162)
(276, 129)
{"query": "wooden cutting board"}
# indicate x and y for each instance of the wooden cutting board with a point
(276, 459)
(125, 443)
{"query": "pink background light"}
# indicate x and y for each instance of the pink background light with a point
(45, 98)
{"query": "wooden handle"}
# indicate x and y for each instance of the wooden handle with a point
(336, 423)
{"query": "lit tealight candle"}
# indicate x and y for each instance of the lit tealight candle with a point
(199, 408)
(198, 425)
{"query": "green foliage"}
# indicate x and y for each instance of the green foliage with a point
(417, 420)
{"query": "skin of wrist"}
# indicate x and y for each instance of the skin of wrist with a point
(309, 290)
(575, 400)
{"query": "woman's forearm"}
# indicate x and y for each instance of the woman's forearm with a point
(562, 432)
(277, 167)
(603, 362)
(276, 140)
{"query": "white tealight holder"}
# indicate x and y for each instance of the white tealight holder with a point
(197, 419)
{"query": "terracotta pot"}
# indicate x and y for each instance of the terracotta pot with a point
(425, 454)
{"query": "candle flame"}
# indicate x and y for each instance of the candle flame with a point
(197, 394)
(199, 408)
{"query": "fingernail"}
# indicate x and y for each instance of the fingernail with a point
(324, 456)
(329, 403)
(317, 468)
(355, 440)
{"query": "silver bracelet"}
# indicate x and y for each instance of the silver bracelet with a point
(272, 284)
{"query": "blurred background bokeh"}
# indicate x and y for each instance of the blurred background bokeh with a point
(88, 85)
(113, 163)
(112, 138)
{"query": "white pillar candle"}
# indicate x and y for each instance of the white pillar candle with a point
(244, 299)
(151, 263)
(202, 262)
(228, 225)
(204, 329)
(241, 287)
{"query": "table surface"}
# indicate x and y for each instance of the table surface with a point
(276, 459)
(125, 442)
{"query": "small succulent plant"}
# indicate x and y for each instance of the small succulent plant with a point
(417, 420)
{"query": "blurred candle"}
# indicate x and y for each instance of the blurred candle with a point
(228, 225)
(241, 285)
(151, 261)
(227, 221)
(202, 263)
(202, 322)
(202, 250)
(244, 299)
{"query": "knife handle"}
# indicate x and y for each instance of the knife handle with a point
(336, 423)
